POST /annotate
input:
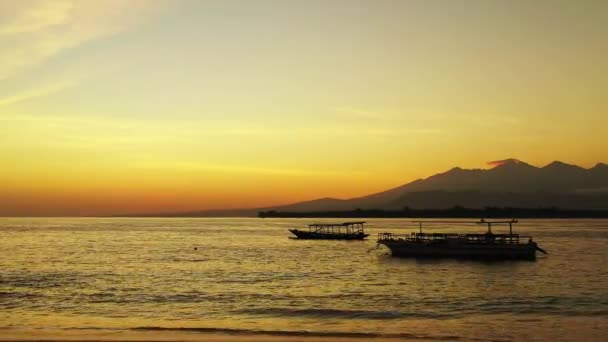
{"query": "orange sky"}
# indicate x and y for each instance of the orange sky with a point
(143, 106)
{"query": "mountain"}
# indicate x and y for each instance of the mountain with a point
(508, 182)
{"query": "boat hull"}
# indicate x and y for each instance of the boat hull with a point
(301, 234)
(481, 251)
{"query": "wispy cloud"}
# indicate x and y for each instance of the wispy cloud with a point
(33, 16)
(254, 169)
(382, 123)
(34, 31)
(362, 113)
(496, 163)
(37, 92)
(488, 119)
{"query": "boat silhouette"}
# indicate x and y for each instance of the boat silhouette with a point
(332, 231)
(453, 245)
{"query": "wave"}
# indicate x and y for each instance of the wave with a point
(45, 280)
(300, 333)
(172, 298)
(548, 305)
(338, 313)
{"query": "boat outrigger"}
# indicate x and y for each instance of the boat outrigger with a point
(332, 231)
(452, 245)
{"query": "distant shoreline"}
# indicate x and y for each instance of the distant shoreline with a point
(455, 212)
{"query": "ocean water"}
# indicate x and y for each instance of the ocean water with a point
(245, 276)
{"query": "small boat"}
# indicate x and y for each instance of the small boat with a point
(452, 245)
(332, 231)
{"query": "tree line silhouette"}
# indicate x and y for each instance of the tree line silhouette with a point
(454, 212)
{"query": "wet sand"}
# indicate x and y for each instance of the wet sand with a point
(579, 330)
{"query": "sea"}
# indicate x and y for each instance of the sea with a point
(246, 276)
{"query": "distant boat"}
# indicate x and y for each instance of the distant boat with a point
(332, 231)
(452, 245)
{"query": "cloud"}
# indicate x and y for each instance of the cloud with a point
(361, 113)
(31, 32)
(33, 16)
(38, 92)
(496, 163)
(252, 169)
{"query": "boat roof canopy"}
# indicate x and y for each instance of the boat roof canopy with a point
(335, 224)
(482, 221)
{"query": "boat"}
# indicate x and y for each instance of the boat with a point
(332, 231)
(487, 245)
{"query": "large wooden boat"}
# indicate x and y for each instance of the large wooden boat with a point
(332, 231)
(452, 245)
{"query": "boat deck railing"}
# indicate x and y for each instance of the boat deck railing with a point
(510, 239)
(337, 228)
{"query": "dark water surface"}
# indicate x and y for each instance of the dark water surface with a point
(246, 276)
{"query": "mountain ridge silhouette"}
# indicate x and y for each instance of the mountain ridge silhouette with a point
(507, 183)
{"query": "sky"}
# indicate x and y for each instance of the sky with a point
(111, 107)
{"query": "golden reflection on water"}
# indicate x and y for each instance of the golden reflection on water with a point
(246, 276)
